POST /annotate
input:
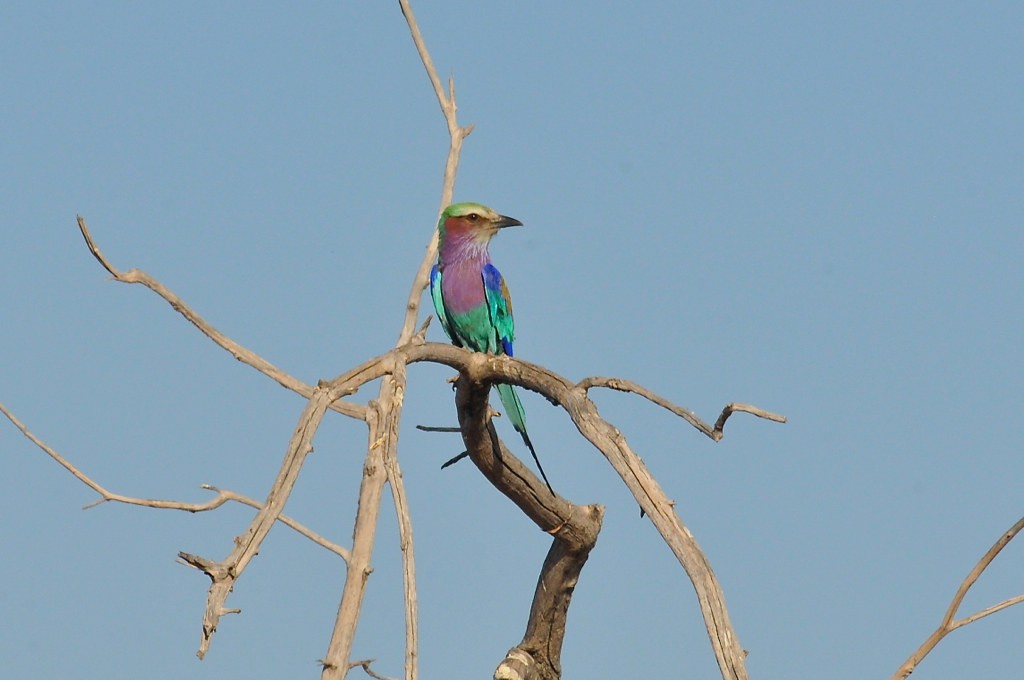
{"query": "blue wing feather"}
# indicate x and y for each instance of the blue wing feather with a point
(499, 307)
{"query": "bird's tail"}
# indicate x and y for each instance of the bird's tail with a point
(514, 411)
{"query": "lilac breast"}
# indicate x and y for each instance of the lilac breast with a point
(462, 286)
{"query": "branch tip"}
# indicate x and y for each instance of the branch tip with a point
(95, 250)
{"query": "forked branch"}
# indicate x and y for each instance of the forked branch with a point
(223, 495)
(949, 621)
(715, 433)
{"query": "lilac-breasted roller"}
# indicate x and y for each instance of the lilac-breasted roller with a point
(471, 298)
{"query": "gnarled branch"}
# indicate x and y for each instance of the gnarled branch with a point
(574, 529)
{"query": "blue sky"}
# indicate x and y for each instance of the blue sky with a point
(813, 207)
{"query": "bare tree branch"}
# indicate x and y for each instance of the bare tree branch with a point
(949, 621)
(336, 662)
(486, 369)
(225, 573)
(405, 539)
(456, 134)
(365, 664)
(547, 511)
(246, 356)
(743, 408)
(222, 497)
(574, 529)
(715, 433)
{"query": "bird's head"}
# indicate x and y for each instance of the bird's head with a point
(473, 220)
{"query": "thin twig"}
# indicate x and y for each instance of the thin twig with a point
(456, 134)
(365, 663)
(949, 621)
(715, 433)
(743, 408)
(284, 519)
(222, 497)
(437, 428)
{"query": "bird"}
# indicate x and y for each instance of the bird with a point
(471, 298)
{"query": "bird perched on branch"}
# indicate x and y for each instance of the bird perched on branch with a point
(471, 298)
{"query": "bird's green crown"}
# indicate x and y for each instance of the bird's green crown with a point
(464, 209)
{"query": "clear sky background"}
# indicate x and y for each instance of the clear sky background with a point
(814, 207)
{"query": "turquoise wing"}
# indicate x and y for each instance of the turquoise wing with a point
(499, 307)
(438, 299)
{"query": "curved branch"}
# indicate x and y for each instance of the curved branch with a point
(949, 621)
(574, 529)
(246, 356)
(560, 390)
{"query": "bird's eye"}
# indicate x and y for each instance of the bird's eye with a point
(472, 217)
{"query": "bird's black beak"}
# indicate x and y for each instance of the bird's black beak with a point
(505, 221)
